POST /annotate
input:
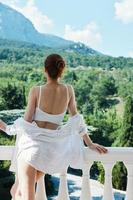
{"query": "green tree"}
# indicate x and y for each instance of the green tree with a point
(125, 139)
(126, 136)
(13, 97)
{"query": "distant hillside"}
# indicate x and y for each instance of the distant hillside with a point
(12, 44)
(15, 26)
(23, 53)
(80, 48)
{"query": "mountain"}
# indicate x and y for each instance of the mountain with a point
(81, 48)
(16, 27)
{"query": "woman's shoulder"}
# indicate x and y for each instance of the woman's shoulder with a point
(69, 86)
(70, 90)
(35, 89)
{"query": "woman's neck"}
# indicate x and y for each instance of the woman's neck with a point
(52, 81)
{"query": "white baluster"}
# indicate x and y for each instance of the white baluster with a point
(40, 190)
(85, 192)
(63, 188)
(129, 192)
(108, 191)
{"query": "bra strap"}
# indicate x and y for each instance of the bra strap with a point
(39, 96)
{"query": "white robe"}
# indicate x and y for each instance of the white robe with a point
(49, 151)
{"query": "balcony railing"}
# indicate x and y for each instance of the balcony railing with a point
(108, 160)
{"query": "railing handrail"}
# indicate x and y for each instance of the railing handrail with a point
(114, 153)
(124, 154)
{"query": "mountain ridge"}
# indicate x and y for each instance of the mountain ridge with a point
(23, 29)
(15, 26)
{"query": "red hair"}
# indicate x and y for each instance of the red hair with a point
(54, 65)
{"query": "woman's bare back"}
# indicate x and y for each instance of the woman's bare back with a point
(54, 100)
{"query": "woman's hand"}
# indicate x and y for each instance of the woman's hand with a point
(2, 125)
(97, 147)
(94, 146)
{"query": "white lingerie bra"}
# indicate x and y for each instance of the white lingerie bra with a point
(40, 115)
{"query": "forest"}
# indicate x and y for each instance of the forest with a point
(103, 87)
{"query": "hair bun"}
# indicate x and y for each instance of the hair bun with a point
(60, 63)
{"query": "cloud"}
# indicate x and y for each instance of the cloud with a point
(124, 10)
(9, 1)
(130, 54)
(88, 35)
(41, 21)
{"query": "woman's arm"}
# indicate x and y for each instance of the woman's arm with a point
(3, 125)
(94, 146)
(72, 105)
(28, 113)
(28, 116)
(72, 108)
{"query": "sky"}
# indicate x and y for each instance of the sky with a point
(104, 25)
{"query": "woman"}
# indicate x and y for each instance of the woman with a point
(40, 148)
